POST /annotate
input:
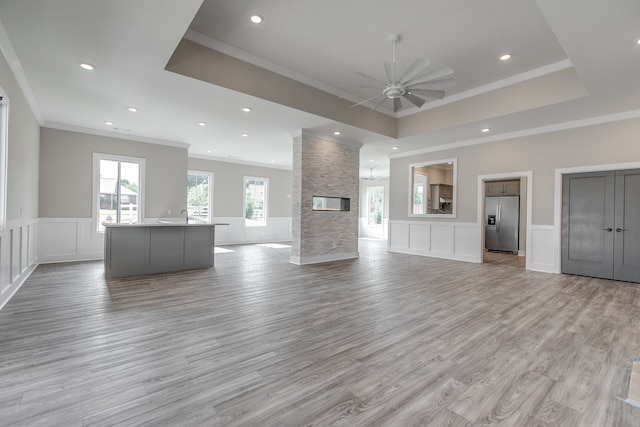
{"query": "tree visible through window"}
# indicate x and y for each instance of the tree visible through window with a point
(199, 195)
(255, 201)
(375, 197)
(419, 196)
(119, 191)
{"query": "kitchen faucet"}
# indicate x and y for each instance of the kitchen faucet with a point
(187, 216)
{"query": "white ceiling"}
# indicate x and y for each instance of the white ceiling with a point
(322, 44)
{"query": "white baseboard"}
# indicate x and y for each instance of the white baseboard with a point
(323, 258)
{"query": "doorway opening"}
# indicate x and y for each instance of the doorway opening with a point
(504, 218)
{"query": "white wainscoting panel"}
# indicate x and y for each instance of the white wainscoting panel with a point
(68, 239)
(73, 239)
(17, 256)
(398, 236)
(462, 242)
(375, 231)
(278, 229)
(543, 251)
(420, 237)
(466, 241)
(451, 240)
(441, 238)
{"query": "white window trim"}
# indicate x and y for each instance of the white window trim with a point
(96, 186)
(244, 200)
(211, 176)
(4, 148)
(454, 162)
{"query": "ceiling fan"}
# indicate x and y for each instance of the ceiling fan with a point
(414, 81)
(370, 177)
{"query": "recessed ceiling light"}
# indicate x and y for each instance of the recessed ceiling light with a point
(202, 123)
(337, 133)
(371, 160)
(245, 134)
(132, 109)
(485, 130)
(87, 66)
(108, 123)
(256, 18)
(273, 161)
(505, 57)
(394, 148)
(208, 151)
(246, 109)
(638, 41)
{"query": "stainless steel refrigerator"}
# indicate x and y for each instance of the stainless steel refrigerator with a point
(502, 219)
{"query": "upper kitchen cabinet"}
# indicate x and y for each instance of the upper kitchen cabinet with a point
(503, 188)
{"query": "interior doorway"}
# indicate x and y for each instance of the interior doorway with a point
(600, 224)
(507, 191)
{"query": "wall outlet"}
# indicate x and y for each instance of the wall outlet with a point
(169, 212)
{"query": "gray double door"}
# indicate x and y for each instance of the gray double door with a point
(601, 224)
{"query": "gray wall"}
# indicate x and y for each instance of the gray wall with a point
(23, 149)
(603, 144)
(228, 187)
(66, 173)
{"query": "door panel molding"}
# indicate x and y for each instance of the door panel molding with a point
(600, 234)
(557, 205)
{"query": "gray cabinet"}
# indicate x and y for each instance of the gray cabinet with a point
(503, 188)
(134, 249)
(441, 197)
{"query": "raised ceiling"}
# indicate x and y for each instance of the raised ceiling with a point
(574, 62)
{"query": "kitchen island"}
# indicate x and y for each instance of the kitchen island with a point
(135, 249)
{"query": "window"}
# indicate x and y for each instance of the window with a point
(4, 125)
(433, 189)
(255, 201)
(375, 197)
(118, 190)
(419, 196)
(199, 196)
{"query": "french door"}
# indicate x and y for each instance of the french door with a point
(601, 224)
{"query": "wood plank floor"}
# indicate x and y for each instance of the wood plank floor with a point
(387, 339)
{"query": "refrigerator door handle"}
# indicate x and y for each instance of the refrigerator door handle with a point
(498, 212)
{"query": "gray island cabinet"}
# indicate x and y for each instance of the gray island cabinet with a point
(135, 249)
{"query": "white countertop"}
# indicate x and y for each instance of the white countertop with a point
(162, 224)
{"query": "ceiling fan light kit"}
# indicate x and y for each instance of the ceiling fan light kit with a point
(415, 80)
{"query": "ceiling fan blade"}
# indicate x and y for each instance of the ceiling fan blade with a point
(434, 84)
(390, 68)
(433, 75)
(431, 93)
(415, 100)
(396, 104)
(367, 76)
(415, 69)
(379, 104)
(367, 100)
(361, 86)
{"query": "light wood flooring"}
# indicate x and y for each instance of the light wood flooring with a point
(387, 339)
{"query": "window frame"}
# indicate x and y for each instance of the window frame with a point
(454, 178)
(4, 161)
(95, 212)
(210, 195)
(368, 204)
(244, 200)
